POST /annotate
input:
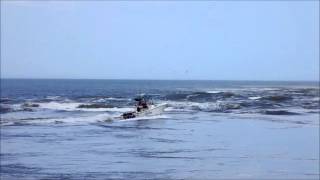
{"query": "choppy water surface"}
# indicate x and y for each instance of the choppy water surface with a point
(61, 129)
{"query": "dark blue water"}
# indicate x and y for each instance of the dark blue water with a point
(223, 96)
(210, 129)
(29, 88)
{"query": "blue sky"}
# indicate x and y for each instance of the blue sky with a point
(246, 40)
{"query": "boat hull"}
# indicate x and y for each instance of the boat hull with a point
(152, 111)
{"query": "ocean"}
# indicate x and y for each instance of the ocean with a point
(69, 129)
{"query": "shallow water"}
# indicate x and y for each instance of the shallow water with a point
(192, 139)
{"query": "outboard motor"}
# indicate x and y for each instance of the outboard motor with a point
(128, 115)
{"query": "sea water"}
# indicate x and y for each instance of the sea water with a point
(69, 129)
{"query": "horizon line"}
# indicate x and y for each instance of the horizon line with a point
(21, 78)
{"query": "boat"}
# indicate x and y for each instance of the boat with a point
(153, 110)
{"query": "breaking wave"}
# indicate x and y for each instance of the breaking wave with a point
(205, 107)
(259, 101)
(82, 107)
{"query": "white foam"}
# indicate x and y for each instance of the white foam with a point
(103, 117)
(14, 107)
(115, 109)
(111, 99)
(72, 106)
(74, 120)
(101, 100)
(145, 118)
(192, 106)
(118, 99)
(60, 106)
(88, 119)
(172, 109)
(213, 92)
(262, 88)
(255, 98)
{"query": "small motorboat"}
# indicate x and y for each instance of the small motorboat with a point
(152, 110)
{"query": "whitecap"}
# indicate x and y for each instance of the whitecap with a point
(118, 99)
(172, 109)
(194, 106)
(60, 106)
(255, 98)
(213, 92)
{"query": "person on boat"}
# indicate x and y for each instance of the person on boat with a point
(142, 104)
